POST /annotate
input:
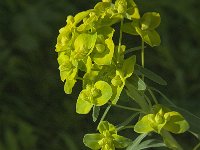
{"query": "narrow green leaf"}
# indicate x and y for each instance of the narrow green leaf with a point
(127, 121)
(138, 83)
(150, 144)
(136, 142)
(170, 141)
(95, 113)
(163, 95)
(149, 74)
(137, 96)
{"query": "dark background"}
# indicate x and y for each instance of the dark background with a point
(35, 113)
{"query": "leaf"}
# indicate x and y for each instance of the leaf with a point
(129, 29)
(127, 121)
(106, 92)
(91, 140)
(132, 10)
(81, 15)
(150, 75)
(170, 141)
(151, 37)
(150, 20)
(95, 113)
(136, 142)
(83, 106)
(143, 125)
(138, 145)
(177, 123)
(69, 84)
(105, 125)
(120, 141)
(163, 95)
(150, 144)
(137, 96)
(193, 120)
(128, 66)
(138, 83)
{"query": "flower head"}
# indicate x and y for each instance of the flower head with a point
(107, 139)
(162, 118)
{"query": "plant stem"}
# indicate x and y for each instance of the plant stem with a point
(170, 141)
(196, 147)
(120, 38)
(153, 96)
(127, 108)
(105, 113)
(125, 127)
(142, 57)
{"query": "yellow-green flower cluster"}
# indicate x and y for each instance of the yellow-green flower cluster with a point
(85, 46)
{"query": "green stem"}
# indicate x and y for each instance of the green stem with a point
(120, 38)
(127, 108)
(79, 78)
(142, 57)
(125, 127)
(153, 96)
(170, 141)
(196, 147)
(105, 113)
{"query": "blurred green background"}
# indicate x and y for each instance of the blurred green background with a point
(35, 113)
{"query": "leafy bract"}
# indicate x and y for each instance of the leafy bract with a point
(104, 48)
(132, 10)
(150, 20)
(84, 45)
(151, 37)
(139, 70)
(107, 139)
(121, 75)
(128, 66)
(97, 94)
(68, 71)
(137, 144)
(162, 119)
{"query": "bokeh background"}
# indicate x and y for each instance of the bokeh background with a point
(35, 113)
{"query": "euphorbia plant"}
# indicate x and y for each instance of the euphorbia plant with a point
(87, 52)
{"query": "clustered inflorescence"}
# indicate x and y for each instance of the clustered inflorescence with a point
(87, 52)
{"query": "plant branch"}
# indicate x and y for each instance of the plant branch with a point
(126, 108)
(142, 57)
